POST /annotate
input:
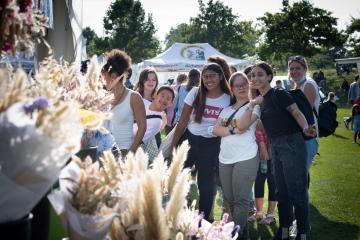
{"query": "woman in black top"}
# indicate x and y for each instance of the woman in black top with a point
(284, 124)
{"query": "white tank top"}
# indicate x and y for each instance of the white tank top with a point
(122, 120)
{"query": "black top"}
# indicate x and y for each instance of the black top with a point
(277, 120)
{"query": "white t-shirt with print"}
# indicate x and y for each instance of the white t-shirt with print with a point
(238, 147)
(213, 107)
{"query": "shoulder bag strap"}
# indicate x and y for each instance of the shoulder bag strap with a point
(233, 114)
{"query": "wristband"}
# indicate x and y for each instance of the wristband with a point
(210, 130)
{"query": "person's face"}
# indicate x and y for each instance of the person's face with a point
(240, 87)
(296, 70)
(259, 78)
(211, 79)
(109, 80)
(150, 82)
(278, 84)
(164, 99)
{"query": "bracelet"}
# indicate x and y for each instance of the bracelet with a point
(304, 129)
(210, 130)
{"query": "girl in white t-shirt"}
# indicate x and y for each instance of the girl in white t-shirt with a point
(238, 150)
(155, 119)
(201, 109)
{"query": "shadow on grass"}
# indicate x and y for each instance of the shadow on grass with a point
(323, 228)
(339, 136)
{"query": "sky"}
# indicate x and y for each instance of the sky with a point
(169, 13)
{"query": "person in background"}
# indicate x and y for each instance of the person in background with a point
(284, 124)
(353, 97)
(84, 66)
(355, 121)
(201, 109)
(354, 90)
(147, 84)
(128, 84)
(170, 110)
(155, 119)
(127, 105)
(278, 84)
(183, 90)
(345, 86)
(223, 63)
(264, 173)
(238, 150)
(232, 69)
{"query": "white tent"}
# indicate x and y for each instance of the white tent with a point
(182, 57)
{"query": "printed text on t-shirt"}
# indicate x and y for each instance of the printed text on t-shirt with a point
(212, 112)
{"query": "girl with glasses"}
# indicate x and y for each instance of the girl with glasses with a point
(200, 112)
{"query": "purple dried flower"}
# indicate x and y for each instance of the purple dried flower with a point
(36, 104)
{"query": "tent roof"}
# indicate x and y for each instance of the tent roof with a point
(183, 56)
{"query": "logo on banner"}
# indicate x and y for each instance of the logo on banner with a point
(193, 52)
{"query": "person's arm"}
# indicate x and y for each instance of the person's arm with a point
(264, 154)
(138, 108)
(301, 120)
(220, 131)
(310, 93)
(182, 124)
(164, 120)
(249, 117)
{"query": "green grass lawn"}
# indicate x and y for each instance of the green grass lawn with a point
(334, 191)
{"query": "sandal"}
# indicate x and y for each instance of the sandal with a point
(270, 218)
(258, 216)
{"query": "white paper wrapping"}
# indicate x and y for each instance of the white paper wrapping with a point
(78, 225)
(30, 163)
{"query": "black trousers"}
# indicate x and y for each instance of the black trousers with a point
(204, 152)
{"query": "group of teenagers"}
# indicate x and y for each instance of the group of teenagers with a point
(231, 120)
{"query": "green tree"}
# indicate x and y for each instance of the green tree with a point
(94, 44)
(217, 25)
(88, 34)
(131, 30)
(354, 37)
(299, 28)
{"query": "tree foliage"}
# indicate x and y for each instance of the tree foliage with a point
(127, 27)
(217, 25)
(301, 29)
(354, 37)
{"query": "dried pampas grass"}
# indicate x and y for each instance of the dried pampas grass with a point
(178, 199)
(177, 165)
(13, 87)
(153, 218)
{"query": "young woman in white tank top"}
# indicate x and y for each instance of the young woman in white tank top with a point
(127, 105)
(297, 67)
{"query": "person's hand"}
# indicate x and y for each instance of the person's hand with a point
(237, 131)
(310, 131)
(257, 100)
